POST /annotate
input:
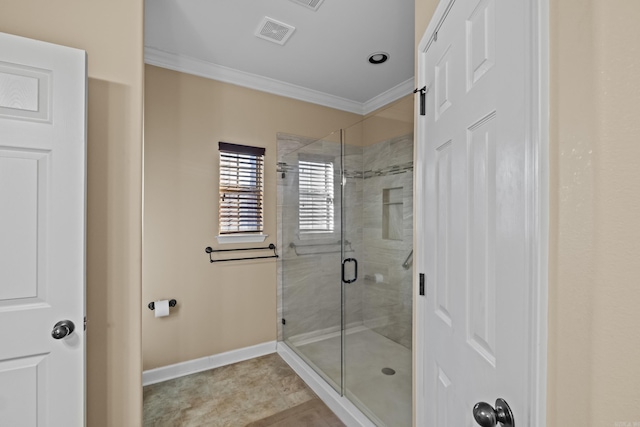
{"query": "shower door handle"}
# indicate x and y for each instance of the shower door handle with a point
(356, 270)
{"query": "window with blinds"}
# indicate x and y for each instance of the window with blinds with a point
(241, 188)
(316, 196)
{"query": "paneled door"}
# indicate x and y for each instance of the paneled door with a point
(476, 215)
(42, 233)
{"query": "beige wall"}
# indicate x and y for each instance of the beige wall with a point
(111, 33)
(222, 306)
(424, 12)
(594, 333)
(594, 320)
(389, 122)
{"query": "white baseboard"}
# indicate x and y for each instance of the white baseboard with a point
(341, 406)
(170, 372)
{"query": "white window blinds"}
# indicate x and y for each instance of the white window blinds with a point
(316, 196)
(241, 188)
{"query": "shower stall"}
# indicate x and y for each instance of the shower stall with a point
(345, 226)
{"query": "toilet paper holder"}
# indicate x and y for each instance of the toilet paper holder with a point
(152, 305)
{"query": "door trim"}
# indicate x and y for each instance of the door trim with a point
(537, 208)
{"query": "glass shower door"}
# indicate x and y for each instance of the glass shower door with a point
(309, 204)
(377, 230)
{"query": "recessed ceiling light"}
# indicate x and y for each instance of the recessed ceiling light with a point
(378, 58)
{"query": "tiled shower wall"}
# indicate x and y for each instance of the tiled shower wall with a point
(378, 231)
(387, 225)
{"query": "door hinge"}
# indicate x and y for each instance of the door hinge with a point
(421, 289)
(284, 321)
(85, 323)
(423, 99)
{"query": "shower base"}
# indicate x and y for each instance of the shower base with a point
(383, 398)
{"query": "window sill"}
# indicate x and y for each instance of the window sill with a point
(241, 238)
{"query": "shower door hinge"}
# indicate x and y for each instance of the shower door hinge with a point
(284, 322)
(421, 289)
(423, 99)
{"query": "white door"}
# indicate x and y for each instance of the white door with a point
(42, 233)
(473, 213)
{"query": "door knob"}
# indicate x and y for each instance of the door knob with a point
(62, 329)
(486, 416)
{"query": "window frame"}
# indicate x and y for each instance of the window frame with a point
(240, 177)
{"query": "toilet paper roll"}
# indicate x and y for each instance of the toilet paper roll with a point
(162, 308)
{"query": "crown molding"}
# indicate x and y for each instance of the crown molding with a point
(387, 97)
(197, 67)
(209, 70)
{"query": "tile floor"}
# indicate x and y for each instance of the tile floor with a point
(261, 392)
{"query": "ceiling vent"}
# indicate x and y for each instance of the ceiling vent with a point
(311, 4)
(274, 31)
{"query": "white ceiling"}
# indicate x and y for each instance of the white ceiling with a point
(325, 61)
